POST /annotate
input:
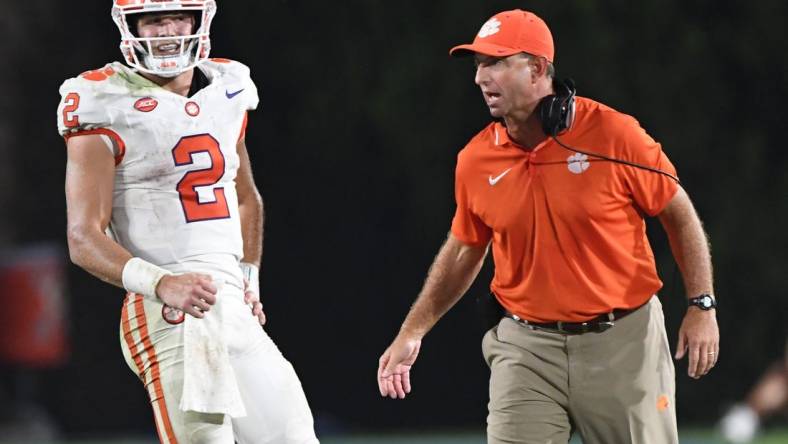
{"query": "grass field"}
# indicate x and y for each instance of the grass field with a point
(699, 436)
(694, 436)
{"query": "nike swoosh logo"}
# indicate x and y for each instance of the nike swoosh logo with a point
(233, 94)
(494, 180)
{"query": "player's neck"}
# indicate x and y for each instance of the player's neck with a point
(180, 84)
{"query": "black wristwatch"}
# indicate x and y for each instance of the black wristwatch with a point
(704, 302)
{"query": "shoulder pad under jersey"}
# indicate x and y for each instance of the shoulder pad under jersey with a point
(236, 78)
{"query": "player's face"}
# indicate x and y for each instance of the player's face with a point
(166, 24)
(506, 83)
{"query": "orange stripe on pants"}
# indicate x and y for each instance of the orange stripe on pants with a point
(163, 427)
(127, 336)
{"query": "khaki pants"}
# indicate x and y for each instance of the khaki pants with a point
(614, 387)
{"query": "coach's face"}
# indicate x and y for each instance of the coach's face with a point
(507, 84)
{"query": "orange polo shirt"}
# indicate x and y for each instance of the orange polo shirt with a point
(568, 231)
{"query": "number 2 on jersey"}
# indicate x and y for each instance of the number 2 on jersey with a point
(71, 102)
(183, 153)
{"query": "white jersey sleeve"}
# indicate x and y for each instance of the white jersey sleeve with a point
(81, 109)
(240, 84)
(238, 74)
(80, 106)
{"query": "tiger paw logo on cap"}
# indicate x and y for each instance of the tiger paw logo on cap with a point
(491, 27)
(524, 32)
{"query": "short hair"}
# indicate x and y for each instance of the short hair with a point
(550, 66)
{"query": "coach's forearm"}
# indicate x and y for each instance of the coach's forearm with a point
(451, 274)
(689, 244)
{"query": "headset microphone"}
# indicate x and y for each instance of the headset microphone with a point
(557, 112)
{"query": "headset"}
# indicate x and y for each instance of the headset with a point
(557, 113)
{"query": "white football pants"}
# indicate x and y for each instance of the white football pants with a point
(277, 410)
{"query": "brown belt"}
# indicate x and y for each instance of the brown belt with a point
(599, 324)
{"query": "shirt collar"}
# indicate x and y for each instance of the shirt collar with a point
(500, 136)
(501, 139)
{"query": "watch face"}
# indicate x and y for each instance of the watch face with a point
(704, 302)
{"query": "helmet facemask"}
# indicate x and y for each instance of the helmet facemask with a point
(138, 52)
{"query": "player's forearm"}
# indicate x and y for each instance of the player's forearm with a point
(451, 274)
(251, 210)
(690, 246)
(97, 254)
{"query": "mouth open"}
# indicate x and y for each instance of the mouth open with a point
(168, 48)
(491, 97)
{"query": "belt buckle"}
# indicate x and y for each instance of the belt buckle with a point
(606, 325)
(584, 327)
(573, 328)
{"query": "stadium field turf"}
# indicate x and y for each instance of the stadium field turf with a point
(688, 436)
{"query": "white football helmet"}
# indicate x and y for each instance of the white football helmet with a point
(138, 52)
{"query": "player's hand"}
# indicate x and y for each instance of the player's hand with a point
(252, 299)
(699, 337)
(192, 293)
(394, 367)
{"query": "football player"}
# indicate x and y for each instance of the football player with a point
(161, 202)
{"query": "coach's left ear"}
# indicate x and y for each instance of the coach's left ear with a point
(539, 67)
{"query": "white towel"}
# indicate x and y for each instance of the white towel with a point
(209, 384)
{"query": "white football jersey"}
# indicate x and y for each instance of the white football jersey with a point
(174, 201)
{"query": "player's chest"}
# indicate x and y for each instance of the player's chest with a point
(165, 135)
(168, 117)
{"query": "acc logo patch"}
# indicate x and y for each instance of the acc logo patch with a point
(146, 104)
(172, 315)
(192, 109)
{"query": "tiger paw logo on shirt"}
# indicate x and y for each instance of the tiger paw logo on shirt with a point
(491, 27)
(577, 163)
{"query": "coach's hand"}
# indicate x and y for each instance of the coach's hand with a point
(699, 337)
(192, 293)
(252, 299)
(394, 366)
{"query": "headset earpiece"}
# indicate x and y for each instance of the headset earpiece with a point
(557, 111)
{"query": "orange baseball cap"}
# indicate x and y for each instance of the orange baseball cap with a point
(511, 32)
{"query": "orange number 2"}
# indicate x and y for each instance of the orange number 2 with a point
(71, 120)
(183, 153)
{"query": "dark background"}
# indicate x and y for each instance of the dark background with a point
(353, 148)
